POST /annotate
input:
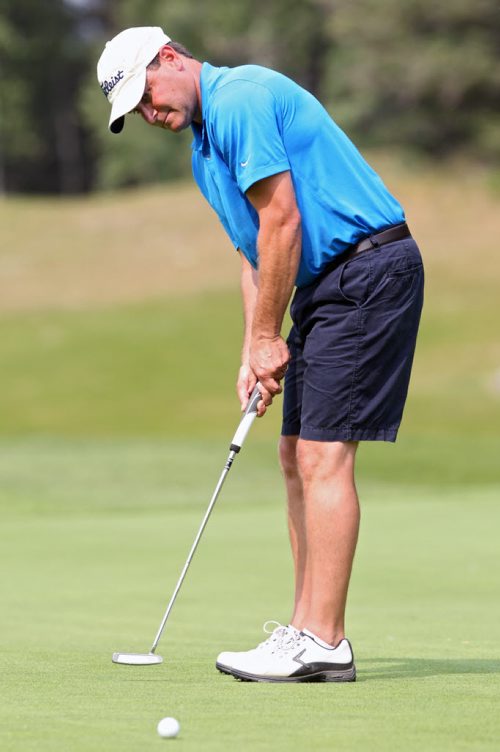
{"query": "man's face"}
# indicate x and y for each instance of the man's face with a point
(170, 98)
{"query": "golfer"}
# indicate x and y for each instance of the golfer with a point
(306, 212)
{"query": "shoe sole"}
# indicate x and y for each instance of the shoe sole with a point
(349, 675)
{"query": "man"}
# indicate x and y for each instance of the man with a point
(304, 210)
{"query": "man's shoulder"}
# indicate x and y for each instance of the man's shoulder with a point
(241, 80)
(251, 73)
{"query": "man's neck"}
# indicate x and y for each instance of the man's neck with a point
(194, 67)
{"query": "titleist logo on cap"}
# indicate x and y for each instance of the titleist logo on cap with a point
(108, 86)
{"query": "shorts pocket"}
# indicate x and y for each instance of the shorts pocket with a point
(398, 288)
(355, 281)
(409, 271)
(381, 275)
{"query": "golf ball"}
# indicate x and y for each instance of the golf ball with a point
(168, 728)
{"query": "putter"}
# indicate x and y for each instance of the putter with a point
(151, 658)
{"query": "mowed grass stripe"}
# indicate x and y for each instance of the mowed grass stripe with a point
(168, 369)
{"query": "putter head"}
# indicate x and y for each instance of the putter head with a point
(137, 659)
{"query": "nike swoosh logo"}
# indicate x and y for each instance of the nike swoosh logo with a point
(244, 164)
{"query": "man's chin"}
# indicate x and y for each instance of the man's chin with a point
(177, 127)
(178, 120)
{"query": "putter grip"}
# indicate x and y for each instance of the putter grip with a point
(246, 422)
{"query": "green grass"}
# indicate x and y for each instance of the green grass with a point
(118, 359)
(93, 537)
(167, 369)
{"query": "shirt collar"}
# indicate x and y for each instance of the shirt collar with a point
(209, 78)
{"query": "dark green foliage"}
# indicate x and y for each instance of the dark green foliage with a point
(415, 74)
(419, 74)
(44, 53)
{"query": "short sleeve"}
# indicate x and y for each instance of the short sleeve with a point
(247, 127)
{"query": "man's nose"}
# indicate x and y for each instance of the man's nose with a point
(148, 113)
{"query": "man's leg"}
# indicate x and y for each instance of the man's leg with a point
(323, 513)
(323, 522)
(296, 521)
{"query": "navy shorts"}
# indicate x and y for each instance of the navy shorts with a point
(352, 345)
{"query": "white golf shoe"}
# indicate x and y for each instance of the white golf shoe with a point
(291, 656)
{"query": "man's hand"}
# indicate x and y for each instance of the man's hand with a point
(269, 358)
(245, 386)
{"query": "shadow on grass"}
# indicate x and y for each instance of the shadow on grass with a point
(368, 670)
(397, 668)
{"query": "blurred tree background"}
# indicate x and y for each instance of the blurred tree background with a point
(409, 74)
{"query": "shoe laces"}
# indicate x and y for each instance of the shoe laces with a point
(282, 638)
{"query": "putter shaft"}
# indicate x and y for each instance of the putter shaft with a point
(236, 444)
(222, 478)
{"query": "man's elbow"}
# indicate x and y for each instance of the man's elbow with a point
(287, 219)
(292, 223)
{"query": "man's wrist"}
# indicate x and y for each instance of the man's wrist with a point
(263, 335)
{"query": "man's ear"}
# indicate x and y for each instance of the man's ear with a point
(169, 56)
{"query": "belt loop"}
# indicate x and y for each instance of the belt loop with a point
(374, 243)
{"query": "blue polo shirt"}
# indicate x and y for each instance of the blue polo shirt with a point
(257, 123)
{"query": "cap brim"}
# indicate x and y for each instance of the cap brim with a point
(117, 125)
(129, 97)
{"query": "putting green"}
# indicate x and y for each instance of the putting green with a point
(93, 538)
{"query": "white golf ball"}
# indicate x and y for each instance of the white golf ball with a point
(168, 728)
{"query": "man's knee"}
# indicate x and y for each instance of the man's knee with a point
(318, 460)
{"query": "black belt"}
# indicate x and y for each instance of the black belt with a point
(391, 235)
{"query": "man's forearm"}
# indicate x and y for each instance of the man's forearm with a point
(279, 246)
(249, 287)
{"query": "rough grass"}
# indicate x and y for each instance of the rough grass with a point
(110, 248)
(116, 248)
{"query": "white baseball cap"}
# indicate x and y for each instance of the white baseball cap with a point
(121, 70)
